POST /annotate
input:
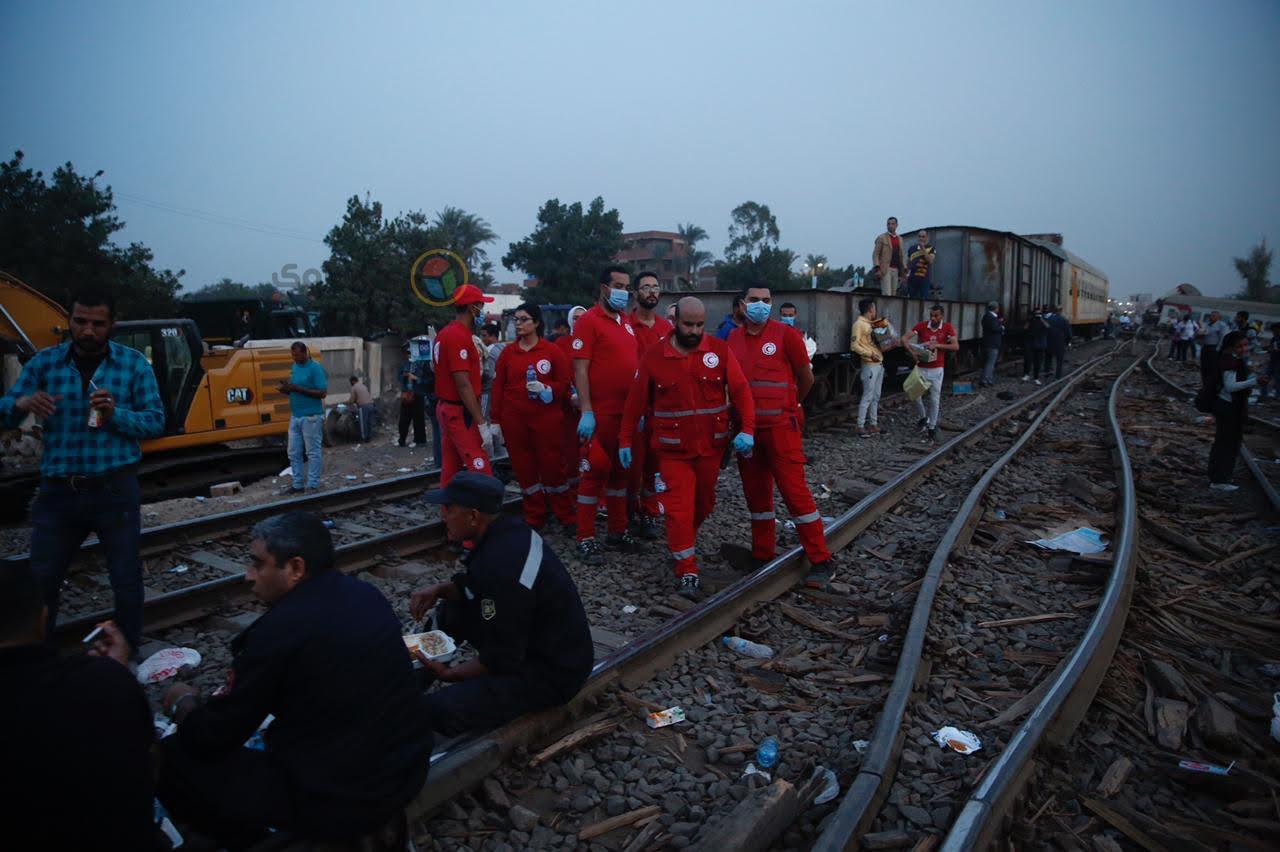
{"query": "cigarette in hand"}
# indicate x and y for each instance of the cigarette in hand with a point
(93, 634)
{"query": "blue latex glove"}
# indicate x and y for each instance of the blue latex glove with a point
(586, 425)
(545, 395)
(743, 443)
(624, 456)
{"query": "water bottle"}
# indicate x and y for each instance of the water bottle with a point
(767, 754)
(530, 376)
(748, 648)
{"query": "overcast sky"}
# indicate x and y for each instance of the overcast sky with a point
(1147, 133)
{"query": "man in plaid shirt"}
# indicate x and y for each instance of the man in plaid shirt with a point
(96, 399)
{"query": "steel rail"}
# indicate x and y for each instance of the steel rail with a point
(1250, 460)
(187, 604)
(163, 537)
(469, 760)
(991, 807)
(870, 787)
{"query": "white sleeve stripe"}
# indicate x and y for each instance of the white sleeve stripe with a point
(532, 562)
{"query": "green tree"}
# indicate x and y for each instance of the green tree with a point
(752, 228)
(567, 249)
(1255, 270)
(56, 234)
(225, 288)
(463, 233)
(770, 266)
(366, 278)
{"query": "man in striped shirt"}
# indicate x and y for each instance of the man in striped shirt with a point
(95, 400)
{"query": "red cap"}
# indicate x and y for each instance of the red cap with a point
(469, 294)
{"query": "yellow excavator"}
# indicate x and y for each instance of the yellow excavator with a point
(210, 396)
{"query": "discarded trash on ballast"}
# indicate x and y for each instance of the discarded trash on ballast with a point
(629, 609)
(830, 790)
(751, 770)
(747, 648)
(166, 663)
(860, 746)
(404, 470)
(1211, 769)
(1079, 540)
(955, 739)
(288, 471)
(662, 718)
(179, 569)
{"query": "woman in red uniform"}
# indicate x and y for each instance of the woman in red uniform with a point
(569, 444)
(530, 385)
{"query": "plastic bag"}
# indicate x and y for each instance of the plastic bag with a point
(915, 385)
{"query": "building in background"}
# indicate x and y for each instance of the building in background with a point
(664, 253)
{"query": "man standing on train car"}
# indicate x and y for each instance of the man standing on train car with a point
(650, 330)
(604, 364)
(889, 258)
(683, 382)
(773, 358)
(920, 263)
(97, 399)
(465, 435)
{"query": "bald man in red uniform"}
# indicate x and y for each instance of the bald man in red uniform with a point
(650, 330)
(464, 432)
(688, 382)
(776, 363)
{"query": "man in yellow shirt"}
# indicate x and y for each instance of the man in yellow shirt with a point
(863, 342)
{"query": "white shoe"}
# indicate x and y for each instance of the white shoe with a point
(1224, 486)
(1026, 378)
(1039, 382)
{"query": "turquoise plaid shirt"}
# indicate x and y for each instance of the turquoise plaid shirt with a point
(70, 446)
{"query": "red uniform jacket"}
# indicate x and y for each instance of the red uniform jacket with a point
(647, 338)
(610, 345)
(455, 352)
(508, 396)
(770, 361)
(687, 396)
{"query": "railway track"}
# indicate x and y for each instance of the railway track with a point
(211, 574)
(670, 664)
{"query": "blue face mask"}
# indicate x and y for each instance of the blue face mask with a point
(791, 321)
(618, 300)
(758, 312)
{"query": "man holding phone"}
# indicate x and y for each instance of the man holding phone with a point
(96, 399)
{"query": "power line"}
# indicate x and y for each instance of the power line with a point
(218, 218)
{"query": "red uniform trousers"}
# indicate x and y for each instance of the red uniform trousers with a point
(644, 468)
(460, 443)
(688, 500)
(778, 456)
(602, 476)
(533, 446)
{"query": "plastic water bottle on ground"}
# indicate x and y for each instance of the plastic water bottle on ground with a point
(767, 754)
(748, 648)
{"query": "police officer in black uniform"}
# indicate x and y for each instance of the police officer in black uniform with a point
(517, 606)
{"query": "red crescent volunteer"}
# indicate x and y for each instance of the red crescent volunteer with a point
(464, 433)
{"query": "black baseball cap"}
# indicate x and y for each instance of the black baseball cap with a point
(473, 490)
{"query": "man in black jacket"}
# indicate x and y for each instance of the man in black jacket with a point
(75, 732)
(1059, 336)
(350, 741)
(992, 335)
(515, 603)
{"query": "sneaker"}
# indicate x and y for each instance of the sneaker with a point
(874, 429)
(819, 576)
(622, 541)
(649, 527)
(863, 433)
(691, 587)
(922, 422)
(741, 558)
(1038, 382)
(289, 489)
(930, 435)
(1224, 486)
(1026, 378)
(589, 552)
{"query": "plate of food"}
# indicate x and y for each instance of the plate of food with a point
(435, 644)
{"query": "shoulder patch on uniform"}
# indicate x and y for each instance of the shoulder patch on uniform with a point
(769, 348)
(584, 465)
(577, 343)
(477, 463)
(544, 366)
(711, 359)
(488, 609)
(462, 353)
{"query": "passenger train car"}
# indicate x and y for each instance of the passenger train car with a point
(974, 266)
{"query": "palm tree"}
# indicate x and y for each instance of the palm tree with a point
(697, 260)
(815, 261)
(464, 233)
(692, 235)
